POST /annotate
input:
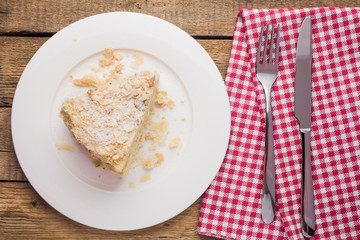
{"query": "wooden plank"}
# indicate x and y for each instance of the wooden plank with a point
(15, 53)
(5, 130)
(213, 17)
(25, 215)
(300, 3)
(10, 169)
(202, 17)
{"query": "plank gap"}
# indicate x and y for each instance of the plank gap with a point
(27, 34)
(14, 181)
(50, 34)
(204, 37)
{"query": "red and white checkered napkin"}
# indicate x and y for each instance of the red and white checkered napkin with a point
(231, 207)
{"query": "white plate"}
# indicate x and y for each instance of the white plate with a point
(95, 197)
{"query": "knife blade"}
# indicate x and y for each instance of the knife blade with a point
(302, 109)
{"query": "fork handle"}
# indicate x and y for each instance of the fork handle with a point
(268, 193)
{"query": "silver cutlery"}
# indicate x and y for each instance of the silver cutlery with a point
(267, 69)
(302, 107)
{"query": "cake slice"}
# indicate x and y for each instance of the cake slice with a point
(109, 121)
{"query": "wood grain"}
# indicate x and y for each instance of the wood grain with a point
(201, 18)
(25, 215)
(10, 169)
(15, 53)
(196, 17)
(5, 130)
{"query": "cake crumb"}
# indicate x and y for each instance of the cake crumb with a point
(138, 60)
(174, 142)
(116, 72)
(108, 58)
(171, 103)
(145, 178)
(88, 80)
(182, 100)
(154, 160)
(158, 132)
(64, 146)
(132, 184)
(183, 117)
(162, 100)
(99, 176)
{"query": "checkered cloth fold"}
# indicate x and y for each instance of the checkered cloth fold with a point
(231, 207)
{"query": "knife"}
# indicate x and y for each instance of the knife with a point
(302, 107)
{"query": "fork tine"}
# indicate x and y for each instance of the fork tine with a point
(265, 46)
(259, 45)
(277, 44)
(271, 55)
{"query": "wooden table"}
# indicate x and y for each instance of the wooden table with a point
(26, 24)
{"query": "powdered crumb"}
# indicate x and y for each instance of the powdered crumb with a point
(64, 146)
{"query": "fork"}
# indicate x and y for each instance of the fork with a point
(266, 72)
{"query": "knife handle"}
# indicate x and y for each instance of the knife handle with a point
(268, 191)
(307, 191)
